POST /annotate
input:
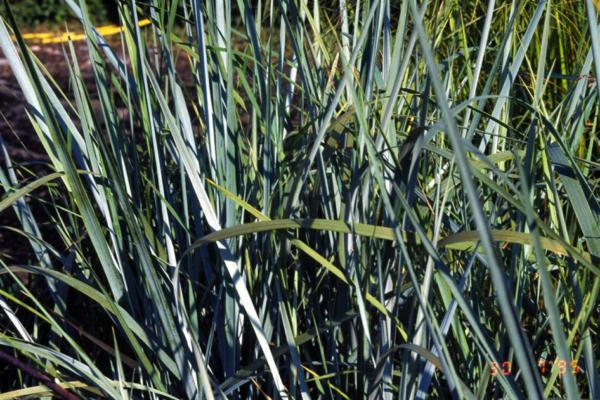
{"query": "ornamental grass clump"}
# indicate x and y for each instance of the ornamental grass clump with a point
(304, 199)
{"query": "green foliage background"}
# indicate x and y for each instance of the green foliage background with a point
(53, 12)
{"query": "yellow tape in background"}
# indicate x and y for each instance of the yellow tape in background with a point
(48, 37)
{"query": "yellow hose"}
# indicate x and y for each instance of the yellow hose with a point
(49, 37)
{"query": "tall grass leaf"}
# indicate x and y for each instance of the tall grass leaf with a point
(233, 267)
(520, 343)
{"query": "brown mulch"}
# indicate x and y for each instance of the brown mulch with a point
(15, 128)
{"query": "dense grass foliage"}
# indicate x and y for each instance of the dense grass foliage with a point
(269, 199)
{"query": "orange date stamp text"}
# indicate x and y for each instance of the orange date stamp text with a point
(545, 367)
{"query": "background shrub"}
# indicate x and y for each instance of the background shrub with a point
(30, 13)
